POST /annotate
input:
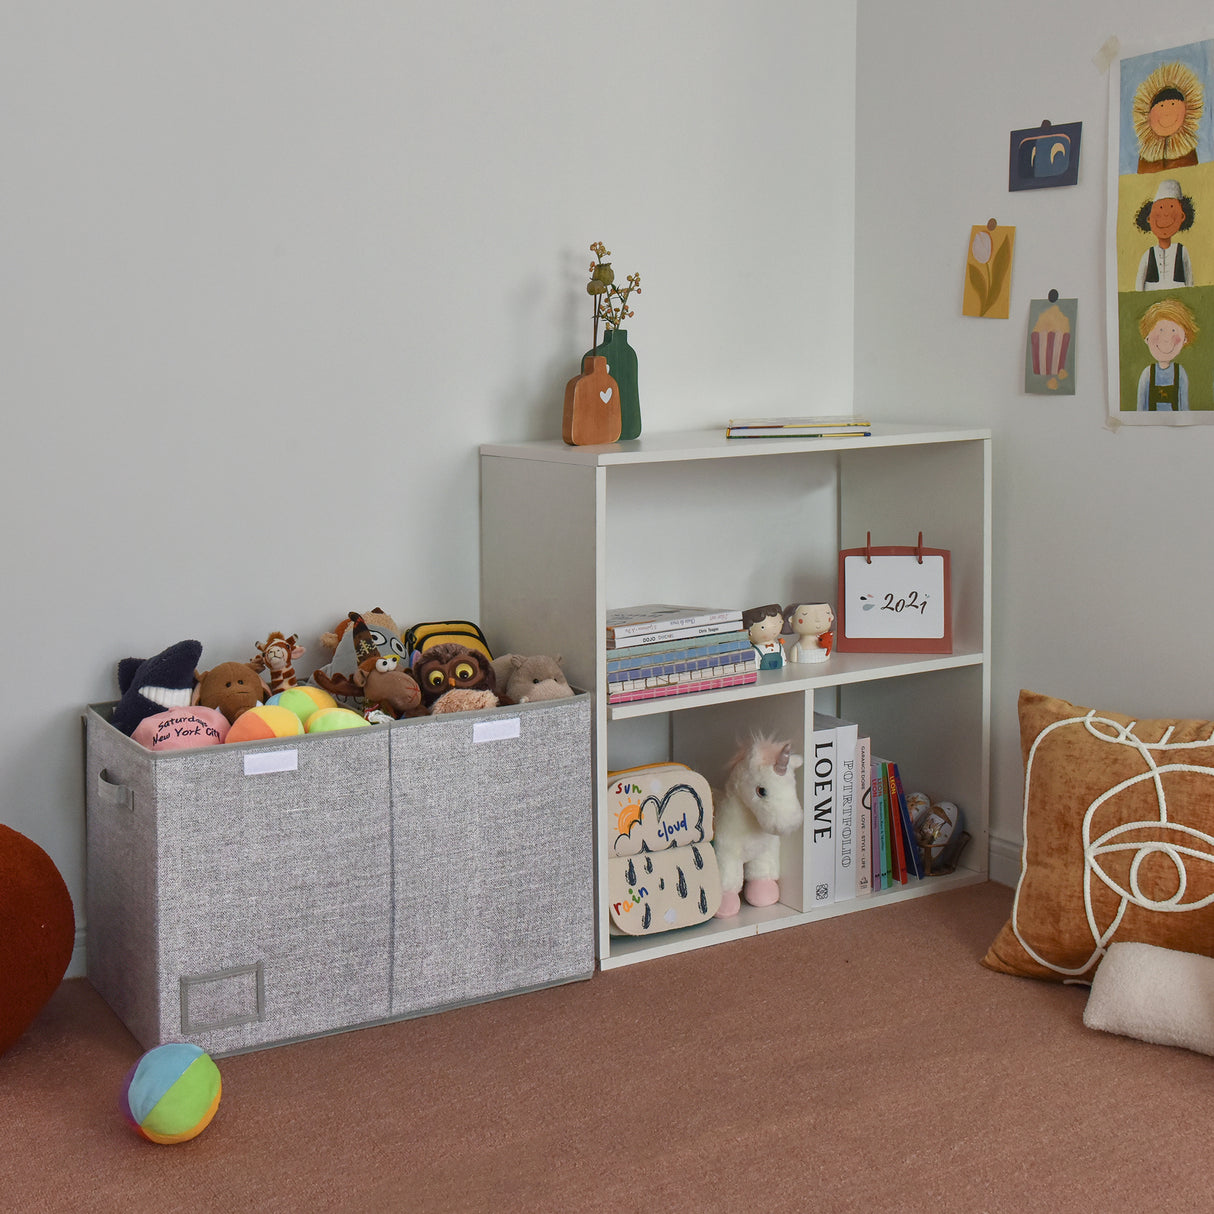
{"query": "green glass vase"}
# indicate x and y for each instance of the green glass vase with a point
(622, 367)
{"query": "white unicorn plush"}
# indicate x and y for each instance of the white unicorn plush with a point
(758, 805)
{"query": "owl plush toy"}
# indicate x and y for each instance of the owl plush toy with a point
(445, 669)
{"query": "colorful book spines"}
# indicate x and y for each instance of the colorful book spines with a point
(674, 689)
(882, 866)
(914, 860)
(644, 658)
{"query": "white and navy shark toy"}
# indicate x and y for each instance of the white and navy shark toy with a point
(151, 684)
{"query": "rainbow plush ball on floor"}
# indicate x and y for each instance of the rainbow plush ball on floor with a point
(265, 721)
(303, 701)
(171, 1093)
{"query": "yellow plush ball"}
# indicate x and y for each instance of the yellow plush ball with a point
(324, 720)
(303, 701)
(265, 721)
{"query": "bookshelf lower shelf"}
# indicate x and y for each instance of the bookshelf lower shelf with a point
(753, 920)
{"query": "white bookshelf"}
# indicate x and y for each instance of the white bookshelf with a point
(569, 532)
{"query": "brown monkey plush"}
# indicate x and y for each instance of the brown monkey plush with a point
(232, 687)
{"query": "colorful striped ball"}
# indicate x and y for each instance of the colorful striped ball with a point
(171, 1093)
(265, 721)
(303, 701)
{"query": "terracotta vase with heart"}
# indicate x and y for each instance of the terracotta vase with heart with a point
(592, 405)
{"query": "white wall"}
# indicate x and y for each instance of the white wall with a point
(270, 272)
(1103, 580)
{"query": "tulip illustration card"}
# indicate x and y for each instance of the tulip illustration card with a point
(988, 271)
(1049, 353)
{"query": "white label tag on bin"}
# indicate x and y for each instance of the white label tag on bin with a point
(495, 731)
(263, 761)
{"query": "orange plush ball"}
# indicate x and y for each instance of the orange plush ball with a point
(37, 931)
(265, 721)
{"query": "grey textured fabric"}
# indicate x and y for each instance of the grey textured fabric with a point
(390, 871)
(494, 855)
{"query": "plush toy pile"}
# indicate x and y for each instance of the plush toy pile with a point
(375, 674)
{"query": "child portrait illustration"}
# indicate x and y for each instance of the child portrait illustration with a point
(1161, 232)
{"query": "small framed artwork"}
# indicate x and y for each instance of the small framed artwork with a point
(895, 600)
(988, 271)
(1049, 353)
(1044, 156)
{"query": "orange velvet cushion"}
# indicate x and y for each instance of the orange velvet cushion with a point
(1118, 839)
(37, 931)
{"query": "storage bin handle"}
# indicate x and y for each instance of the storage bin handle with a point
(118, 796)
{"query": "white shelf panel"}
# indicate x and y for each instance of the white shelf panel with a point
(683, 445)
(840, 670)
(752, 921)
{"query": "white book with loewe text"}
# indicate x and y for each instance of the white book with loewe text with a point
(821, 777)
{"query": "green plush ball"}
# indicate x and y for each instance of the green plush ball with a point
(325, 720)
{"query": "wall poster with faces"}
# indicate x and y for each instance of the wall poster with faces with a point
(1161, 237)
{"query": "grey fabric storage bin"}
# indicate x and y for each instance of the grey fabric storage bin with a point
(493, 827)
(233, 909)
(390, 871)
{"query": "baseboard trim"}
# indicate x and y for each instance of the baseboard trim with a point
(77, 967)
(1005, 861)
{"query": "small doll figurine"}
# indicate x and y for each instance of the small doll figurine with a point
(763, 625)
(813, 623)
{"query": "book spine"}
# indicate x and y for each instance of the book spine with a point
(881, 813)
(845, 815)
(660, 677)
(914, 860)
(798, 432)
(669, 651)
(692, 619)
(670, 634)
(897, 849)
(674, 661)
(654, 693)
(820, 817)
(864, 818)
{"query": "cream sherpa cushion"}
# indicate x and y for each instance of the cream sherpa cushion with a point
(1155, 994)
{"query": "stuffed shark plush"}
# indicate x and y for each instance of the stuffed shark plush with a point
(150, 684)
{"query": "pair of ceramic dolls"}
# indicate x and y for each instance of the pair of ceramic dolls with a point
(812, 623)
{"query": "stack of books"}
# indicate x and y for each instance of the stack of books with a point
(665, 649)
(798, 427)
(860, 828)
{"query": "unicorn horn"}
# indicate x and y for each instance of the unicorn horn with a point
(781, 767)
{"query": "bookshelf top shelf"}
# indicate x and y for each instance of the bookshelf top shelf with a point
(677, 445)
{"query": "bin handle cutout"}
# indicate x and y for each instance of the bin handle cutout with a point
(119, 796)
